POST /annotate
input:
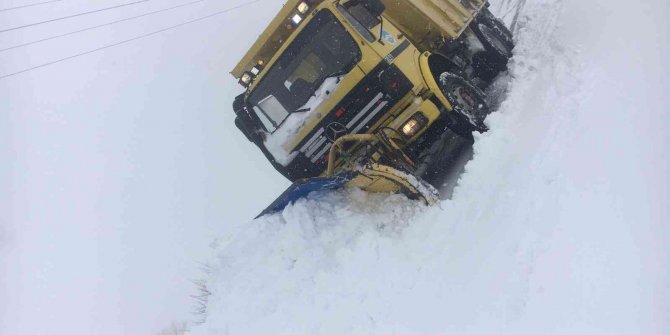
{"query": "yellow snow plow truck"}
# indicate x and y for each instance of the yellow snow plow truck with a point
(358, 93)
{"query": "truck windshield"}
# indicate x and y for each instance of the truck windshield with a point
(323, 49)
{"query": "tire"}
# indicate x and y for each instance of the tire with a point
(493, 41)
(498, 45)
(488, 19)
(469, 103)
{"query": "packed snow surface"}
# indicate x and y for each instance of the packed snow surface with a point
(559, 224)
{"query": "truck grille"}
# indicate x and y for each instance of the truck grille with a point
(368, 102)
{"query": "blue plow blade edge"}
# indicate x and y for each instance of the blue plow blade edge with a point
(302, 188)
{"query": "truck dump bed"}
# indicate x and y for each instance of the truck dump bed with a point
(425, 20)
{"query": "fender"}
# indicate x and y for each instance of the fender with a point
(429, 80)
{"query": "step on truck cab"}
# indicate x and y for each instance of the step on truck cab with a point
(332, 83)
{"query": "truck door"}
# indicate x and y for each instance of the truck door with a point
(359, 22)
(377, 35)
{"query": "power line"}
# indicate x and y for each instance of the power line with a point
(71, 16)
(227, 10)
(29, 5)
(101, 25)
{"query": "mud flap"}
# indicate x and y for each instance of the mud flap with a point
(303, 187)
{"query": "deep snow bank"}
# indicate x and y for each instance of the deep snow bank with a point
(559, 224)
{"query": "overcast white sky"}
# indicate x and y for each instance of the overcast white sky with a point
(118, 164)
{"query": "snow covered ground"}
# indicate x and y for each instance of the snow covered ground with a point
(124, 164)
(558, 226)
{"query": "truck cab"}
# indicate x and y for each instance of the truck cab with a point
(324, 69)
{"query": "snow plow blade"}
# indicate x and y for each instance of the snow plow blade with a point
(375, 178)
(303, 187)
(371, 177)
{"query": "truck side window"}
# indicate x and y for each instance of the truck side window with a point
(273, 109)
(265, 119)
(361, 27)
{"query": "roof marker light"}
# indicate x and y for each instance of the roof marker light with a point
(303, 7)
(246, 79)
(296, 19)
(257, 68)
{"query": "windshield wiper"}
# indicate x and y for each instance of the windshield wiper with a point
(339, 73)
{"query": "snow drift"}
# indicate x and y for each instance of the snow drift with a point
(558, 225)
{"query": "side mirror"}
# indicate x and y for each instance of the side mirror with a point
(244, 119)
(375, 7)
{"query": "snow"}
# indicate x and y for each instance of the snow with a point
(558, 225)
(276, 142)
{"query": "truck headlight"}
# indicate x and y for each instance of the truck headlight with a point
(303, 7)
(414, 124)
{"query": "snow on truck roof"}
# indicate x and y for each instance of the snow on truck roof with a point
(271, 40)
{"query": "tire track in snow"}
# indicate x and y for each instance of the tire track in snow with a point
(543, 71)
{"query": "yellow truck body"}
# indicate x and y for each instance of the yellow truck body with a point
(400, 71)
(425, 20)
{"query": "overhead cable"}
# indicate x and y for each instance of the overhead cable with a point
(101, 25)
(71, 16)
(29, 5)
(227, 10)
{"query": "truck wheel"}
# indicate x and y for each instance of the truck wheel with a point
(469, 102)
(498, 44)
(494, 41)
(488, 19)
